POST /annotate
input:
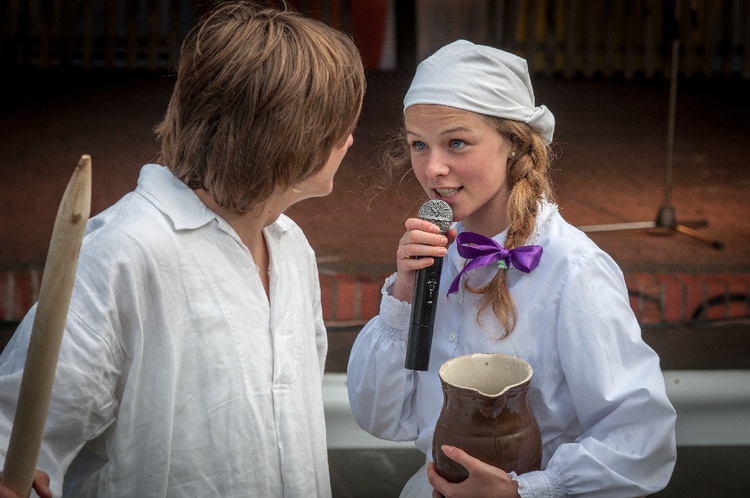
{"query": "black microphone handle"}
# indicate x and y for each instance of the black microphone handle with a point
(423, 308)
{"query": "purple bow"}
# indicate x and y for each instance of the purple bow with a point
(484, 251)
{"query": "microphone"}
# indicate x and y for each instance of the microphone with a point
(426, 283)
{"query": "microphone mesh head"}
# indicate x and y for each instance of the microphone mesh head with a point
(437, 212)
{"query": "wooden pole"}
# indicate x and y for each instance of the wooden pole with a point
(46, 334)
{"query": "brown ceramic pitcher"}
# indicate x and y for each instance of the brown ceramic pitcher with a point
(486, 413)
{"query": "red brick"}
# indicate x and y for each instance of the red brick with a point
(346, 298)
(679, 297)
(326, 296)
(645, 297)
(19, 290)
(370, 294)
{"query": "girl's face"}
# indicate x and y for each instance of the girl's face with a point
(459, 157)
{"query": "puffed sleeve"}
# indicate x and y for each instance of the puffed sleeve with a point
(82, 404)
(627, 442)
(381, 390)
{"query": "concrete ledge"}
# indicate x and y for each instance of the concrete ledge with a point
(713, 409)
(341, 428)
(713, 406)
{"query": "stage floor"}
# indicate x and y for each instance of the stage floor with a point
(610, 138)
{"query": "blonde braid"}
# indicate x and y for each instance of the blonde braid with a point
(529, 180)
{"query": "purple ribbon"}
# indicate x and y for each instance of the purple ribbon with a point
(483, 251)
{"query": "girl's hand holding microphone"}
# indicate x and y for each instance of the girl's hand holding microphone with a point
(422, 241)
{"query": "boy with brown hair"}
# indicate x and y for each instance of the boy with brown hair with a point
(193, 356)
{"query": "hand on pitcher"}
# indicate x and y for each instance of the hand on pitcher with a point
(483, 480)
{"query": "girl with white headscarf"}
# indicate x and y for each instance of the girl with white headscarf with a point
(477, 140)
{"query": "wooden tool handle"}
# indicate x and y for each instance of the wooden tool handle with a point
(46, 334)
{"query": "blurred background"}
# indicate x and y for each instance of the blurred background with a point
(652, 103)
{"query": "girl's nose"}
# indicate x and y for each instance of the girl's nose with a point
(436, 165)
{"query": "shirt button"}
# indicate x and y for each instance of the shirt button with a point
(452, 337)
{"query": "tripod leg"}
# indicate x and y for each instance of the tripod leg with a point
(693, 233)
(607, 227)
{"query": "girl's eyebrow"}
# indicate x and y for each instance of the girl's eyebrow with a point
(456, 129)
(445, 132)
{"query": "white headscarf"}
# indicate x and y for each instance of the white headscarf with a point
(480, 79)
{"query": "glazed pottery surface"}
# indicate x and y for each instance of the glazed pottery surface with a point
(486, 413)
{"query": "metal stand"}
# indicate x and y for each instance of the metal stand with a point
(666, 217)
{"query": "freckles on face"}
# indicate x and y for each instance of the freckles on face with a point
(459, 157)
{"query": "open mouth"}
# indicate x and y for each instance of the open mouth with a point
(447, 193)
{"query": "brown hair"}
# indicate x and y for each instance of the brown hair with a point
(262, 97)
(529, 180)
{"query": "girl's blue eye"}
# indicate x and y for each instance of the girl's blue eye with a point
(419, 145)
(457, 144)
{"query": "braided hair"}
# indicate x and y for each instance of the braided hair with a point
(529, 181)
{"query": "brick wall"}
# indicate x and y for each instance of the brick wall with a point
(684, 297)
(350, 299)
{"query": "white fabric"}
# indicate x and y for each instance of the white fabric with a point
(174, 367)
(480, 79)
(597, 390)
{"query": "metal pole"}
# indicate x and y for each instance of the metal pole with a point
(666, 217)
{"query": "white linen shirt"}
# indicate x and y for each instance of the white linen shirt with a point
(176, 376)
(597, 391)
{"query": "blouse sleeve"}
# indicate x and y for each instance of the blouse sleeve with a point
(381, 390)
(627, 442)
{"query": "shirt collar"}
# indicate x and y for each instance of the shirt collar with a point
(180, 204)
(173, 198)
